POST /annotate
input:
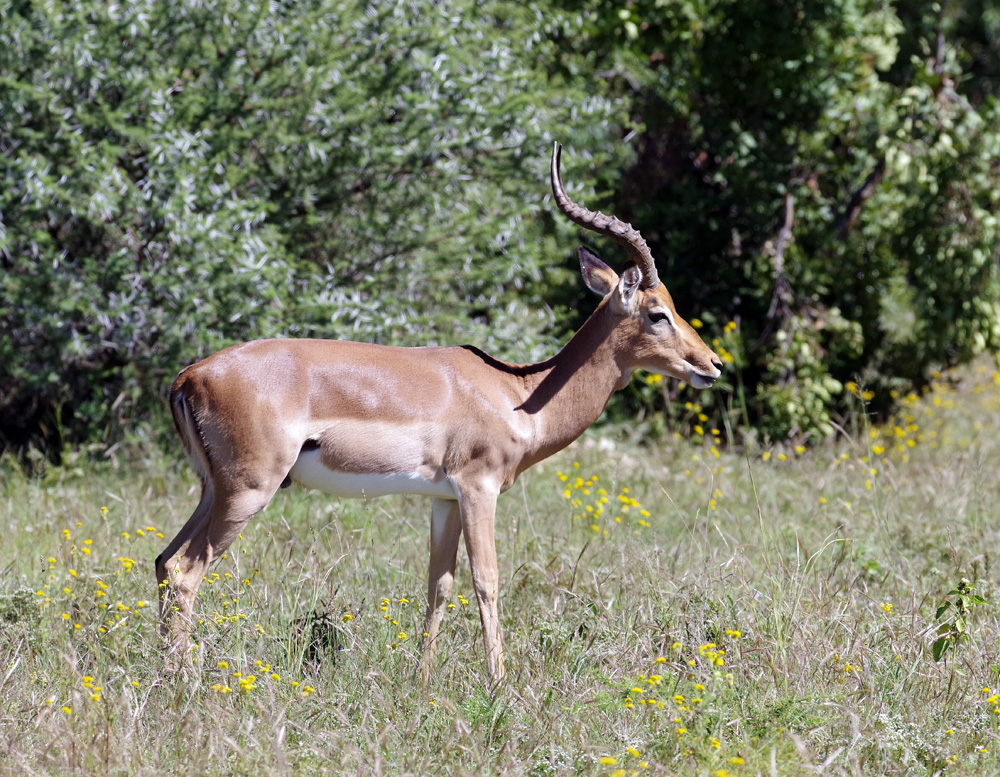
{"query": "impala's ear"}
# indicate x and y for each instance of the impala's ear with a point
(596, 274)
(628, 286)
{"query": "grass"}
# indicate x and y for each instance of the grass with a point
(770, 613)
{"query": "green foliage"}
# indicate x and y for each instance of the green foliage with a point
(955, 615)
(181, 176)
(817, 179)
(825, 176)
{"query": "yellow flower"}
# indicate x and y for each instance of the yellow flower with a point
(608, 760)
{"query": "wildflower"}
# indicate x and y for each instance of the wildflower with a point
(248, 683)
(608, 760)
(633, 752)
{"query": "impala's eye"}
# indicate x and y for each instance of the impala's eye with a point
(658, 315)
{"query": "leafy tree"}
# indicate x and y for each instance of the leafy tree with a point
(823, 175)
(818, 180)
(180, 176)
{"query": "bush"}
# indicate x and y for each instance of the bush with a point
(834, 165)
(182, 176)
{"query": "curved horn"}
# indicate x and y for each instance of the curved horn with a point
(619, 231)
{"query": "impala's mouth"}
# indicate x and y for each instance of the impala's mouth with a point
(702, 381)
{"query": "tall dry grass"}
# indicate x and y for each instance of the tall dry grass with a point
(768, 612)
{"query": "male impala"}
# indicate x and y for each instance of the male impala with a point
(454, 424)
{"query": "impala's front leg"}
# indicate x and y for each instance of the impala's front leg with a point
(478, 516)
(446, 529)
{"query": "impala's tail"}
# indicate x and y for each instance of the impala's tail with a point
(187, 428)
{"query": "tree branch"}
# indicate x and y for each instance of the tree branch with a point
(781, 300)
(846, 219)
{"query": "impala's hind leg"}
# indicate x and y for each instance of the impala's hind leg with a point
(218, 520)
(168, 600)
(446, 530)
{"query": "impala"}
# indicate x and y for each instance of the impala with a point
(454, 424)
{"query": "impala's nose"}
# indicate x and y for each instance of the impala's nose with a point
(717, 363)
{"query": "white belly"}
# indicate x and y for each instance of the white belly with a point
(310, 472)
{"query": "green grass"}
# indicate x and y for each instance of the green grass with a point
(775, 616)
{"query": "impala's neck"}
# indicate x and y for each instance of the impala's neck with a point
(569, 391)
